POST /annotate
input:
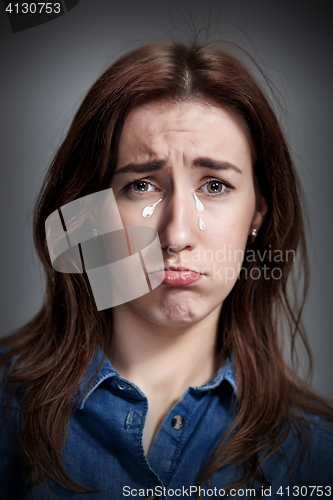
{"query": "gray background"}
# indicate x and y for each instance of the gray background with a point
(46, 70)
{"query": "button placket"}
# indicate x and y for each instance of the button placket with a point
(171, 438)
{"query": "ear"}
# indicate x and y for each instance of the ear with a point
(259, 214)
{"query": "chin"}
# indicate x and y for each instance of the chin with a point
(170, 310)
(178, 314)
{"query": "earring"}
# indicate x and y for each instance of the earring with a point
(200, 208)
(149, 209)
(254, 235)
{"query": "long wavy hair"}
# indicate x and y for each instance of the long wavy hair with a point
(49, 355)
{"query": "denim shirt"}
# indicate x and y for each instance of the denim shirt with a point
(104, 446)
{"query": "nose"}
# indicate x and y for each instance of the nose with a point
(177, 227)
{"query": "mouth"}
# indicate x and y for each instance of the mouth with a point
(179, 276)
(181, 270)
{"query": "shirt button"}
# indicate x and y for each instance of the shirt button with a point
(151, 496)
(178, 422)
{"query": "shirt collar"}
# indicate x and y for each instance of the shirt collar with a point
(225, 372)
(100, 369)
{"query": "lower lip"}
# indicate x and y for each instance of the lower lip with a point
(180, 278)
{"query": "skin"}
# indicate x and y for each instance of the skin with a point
(161, 338)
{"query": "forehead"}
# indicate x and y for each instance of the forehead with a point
(165, 129)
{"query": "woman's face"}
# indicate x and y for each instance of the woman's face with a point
(182, 153)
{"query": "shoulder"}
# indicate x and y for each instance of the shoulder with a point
(321, 442)
(309, 450)
(320, 434)
(9, 428)
(5, 365)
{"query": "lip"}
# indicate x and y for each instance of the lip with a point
(179, 276)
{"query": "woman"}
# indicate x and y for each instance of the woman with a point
(185, 386)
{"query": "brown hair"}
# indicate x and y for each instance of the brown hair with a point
(50, 354)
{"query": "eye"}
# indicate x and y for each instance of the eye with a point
(139, 186)
(142, 186)
(216, 187)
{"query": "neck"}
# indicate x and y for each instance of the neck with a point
(156, 357)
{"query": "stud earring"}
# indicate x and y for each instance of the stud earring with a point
(149, 209)
(254, 234)
(200, 208)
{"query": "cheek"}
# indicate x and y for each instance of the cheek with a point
(231, 225)
(131, 213)
(227, 233)
(235, 230)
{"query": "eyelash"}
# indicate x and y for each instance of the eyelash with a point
(228, 187)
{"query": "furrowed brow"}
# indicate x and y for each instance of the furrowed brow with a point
(142, 168)
(215, 165)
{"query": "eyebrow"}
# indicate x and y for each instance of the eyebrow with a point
(142, 168)
(216, 165)
(151, 166)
